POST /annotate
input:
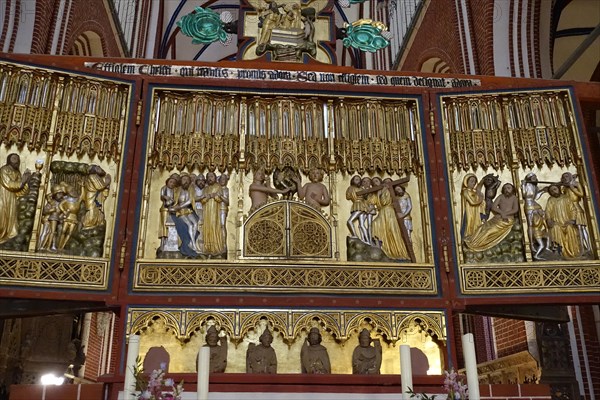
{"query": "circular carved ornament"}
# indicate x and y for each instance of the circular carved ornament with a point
(261, 277)
(265, 237)
(310, 238)
(315, 278)
(91, 273)
(369, 278)
(206, 276)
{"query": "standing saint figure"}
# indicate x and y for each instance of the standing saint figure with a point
(261, 359)
(211, 209)
(224, 207)
(184, 217)
(315, 193)
(12, 186)
(94, 191)
(69, 208)
(199, 186)
(574, 193)
(51, 218)
(167, 197)
(314, 356)
(473, 204)
(536, 221)
(359, 210)
(217, 342)
(269, 18)
(562, 223)
(405, 205)
(386, 227)
(366, 359)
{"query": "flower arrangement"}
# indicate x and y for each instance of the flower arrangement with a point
(157, 386)
(454, 385)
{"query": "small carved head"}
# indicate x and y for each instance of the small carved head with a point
(366, 182)
(399, 190)
(185, 181)
(211, 178)
(200, 181)
(212, 336)
(13, 160)
(566, 178)
(266, 338)
(554, 190)
(508, 189)
(223, 179)
(314, 336)
(364, 338)
(315, 175)
(531, 178)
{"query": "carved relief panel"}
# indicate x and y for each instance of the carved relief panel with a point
(291, 177)
(62, 137)
(519, 188)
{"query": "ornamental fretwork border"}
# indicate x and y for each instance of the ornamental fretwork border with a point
(22, 269)
(393, 324)
(396, 279)
(527, 278)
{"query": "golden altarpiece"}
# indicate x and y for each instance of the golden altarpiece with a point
(201, 202)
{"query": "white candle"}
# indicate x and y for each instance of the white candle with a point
(203, 372)
(405, 371)
(468, 345)
(133, 350)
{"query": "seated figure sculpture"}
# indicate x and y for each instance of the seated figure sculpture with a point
(261, 359)
(366, 359)
(493, 231)
(314, 356)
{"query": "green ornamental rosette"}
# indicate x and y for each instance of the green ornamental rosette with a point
(365, 37)
(204, 26)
